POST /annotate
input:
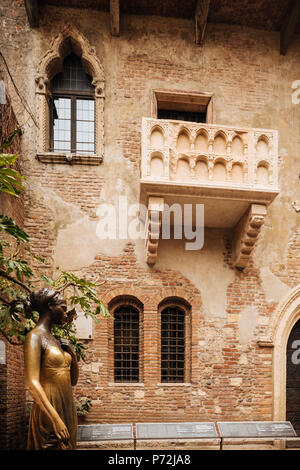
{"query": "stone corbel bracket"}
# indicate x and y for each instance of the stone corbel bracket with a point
(246, 233)
(153, 227)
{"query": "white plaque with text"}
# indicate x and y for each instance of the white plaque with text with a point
(84, 326)
(2, 352)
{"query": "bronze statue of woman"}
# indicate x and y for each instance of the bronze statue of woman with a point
(51, 370)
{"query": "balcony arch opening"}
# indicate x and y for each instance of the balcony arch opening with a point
(237, 173)
(201, 142)
(220, 144)
(183, 169)
(219, 173)
(157, 165)
(237, 147)
(262, 147)
(262, 174)
(183, 142)
(157, 138)
(201, 170)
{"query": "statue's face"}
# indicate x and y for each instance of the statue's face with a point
(59, 310)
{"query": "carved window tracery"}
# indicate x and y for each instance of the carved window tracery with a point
(69, 41)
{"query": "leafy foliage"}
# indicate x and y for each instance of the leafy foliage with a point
(17, 278)
(9, 177)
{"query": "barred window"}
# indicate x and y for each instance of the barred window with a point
(126, 344)
(72, 111)
(172, 345)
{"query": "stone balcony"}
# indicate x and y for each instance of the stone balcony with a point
(232, 171)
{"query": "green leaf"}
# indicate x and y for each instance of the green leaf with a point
(7, 143)
(9, 226)
(47, 279)
(7, 159)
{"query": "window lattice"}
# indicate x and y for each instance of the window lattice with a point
(73, 77)
(72, 110)
(172, 345)
(126, 344)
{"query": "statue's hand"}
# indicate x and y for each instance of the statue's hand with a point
(61, 431)
(66, 346)
(70, 315)
(64, 342)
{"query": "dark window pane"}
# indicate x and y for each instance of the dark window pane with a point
(126, 344)
(73, 77)
(172, 345)
(181, 115)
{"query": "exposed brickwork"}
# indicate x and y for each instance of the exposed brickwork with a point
(227, 379)
(289, 272)
(220, 388)
(12, 383)
(8, 123)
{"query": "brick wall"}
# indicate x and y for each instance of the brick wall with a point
(12, 383)
(230, 376)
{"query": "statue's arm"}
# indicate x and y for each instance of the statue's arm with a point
(74, 370)
(32, 355)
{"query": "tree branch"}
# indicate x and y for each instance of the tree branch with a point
(10, 340)
(12, 279)
(4, 301)
(69, 284)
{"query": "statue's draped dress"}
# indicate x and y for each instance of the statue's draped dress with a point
(55, 379)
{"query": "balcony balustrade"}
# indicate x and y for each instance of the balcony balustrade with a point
(232, 171)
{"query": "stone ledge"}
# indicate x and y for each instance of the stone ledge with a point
(174, 384)
(126, 384)
(69, 158)
(106, 445)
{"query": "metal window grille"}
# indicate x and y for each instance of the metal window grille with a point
(73, 77)
(72, 110)
(192, 116)
(126, 344)
(172, 345)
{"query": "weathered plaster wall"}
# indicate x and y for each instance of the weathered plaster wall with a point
(231, 374)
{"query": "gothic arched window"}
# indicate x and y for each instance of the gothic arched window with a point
(72, 111)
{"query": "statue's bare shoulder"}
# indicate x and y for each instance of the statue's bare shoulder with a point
(34, 337)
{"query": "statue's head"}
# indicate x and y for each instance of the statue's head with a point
(48, 301)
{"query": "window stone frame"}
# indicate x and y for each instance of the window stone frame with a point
(68, 40)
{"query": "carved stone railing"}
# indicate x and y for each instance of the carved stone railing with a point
(233, 171)
(207, 154)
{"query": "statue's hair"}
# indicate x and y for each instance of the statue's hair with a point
(38, 300)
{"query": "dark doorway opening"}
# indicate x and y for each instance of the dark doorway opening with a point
(293, 381)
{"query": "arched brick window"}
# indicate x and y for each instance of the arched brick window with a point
(172, 344)
(126, 344)
(175, 347)
(126, 340)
